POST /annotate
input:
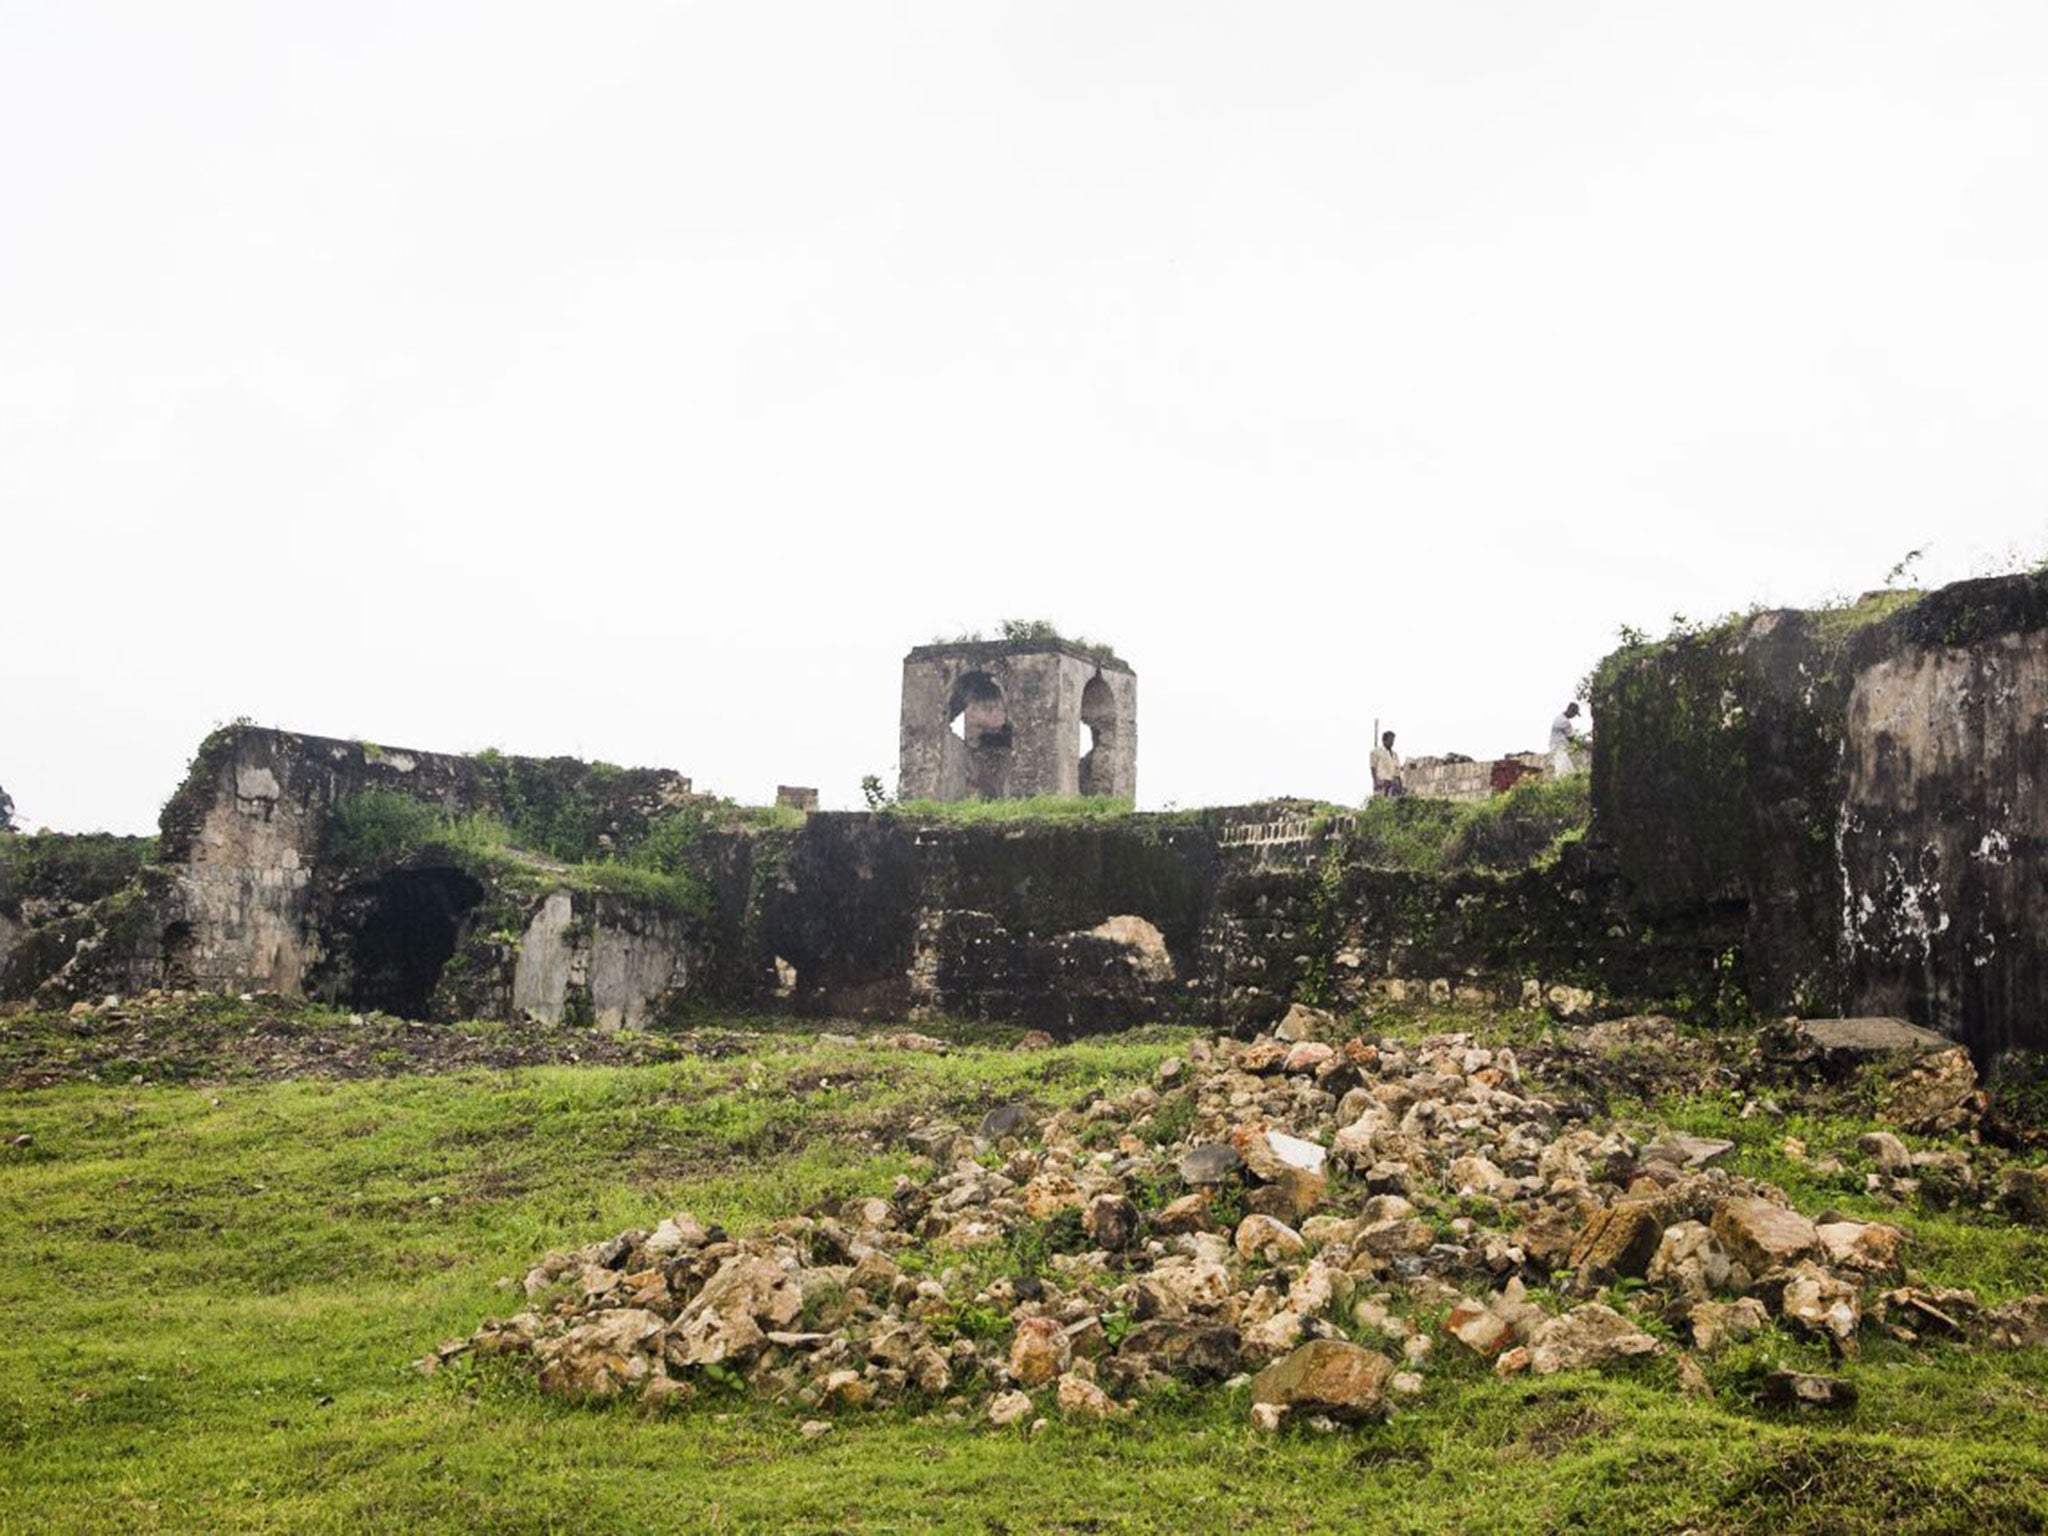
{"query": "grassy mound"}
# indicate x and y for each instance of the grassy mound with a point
(212, 1292)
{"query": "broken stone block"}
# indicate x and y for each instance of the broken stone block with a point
(1007, 1120)
(1040, 1351)
(1616, 1242)
(1864, 1039)
(1819, 1302)
(1327, 1376)
(1887, 1151)
(1302, 1022)
(1761, 1236)
(1111, 1222)
(1589, 1335)
(1080, 1398)
(1008, 1408)
(1194, 1352)
(1472, 1325)
(1718, 1323)
(602, 1358)
(1937, 1093)
(1691, 1261)
(1210, 1163)
(1687, 1152)
(1177, 1286)
(1872, 1247)
(1692, 1379)
(1474, 1174)
(1304, 1058)
(2021, 1324)
(1263, 1237)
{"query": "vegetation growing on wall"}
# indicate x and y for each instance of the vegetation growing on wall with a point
(1036, 631)
(81, 868)
(1520, 829)
(382, 827)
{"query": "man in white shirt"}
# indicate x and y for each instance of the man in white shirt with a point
(1386, 767)
(1563, 733)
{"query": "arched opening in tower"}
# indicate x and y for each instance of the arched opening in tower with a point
(980, 721)
(1098, 736)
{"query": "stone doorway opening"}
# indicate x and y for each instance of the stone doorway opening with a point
(413, 922)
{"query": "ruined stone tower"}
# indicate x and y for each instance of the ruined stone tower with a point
(1009, 719)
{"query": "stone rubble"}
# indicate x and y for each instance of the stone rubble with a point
(1325, 1216)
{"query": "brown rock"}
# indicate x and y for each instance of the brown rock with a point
(731, 1314)
(1618, 1241)
(2021, 1324)
(1190, 1213)
(1871, 1247)
(1936, 1093)
(1111, 1222)
(1472, 1325)
(1264, 1237)
(600, 1359)
(1080, 1398)
(1008, 1408)
(1761, 1236)
(1193, 1352)
(1306, 1057)
(1329, 1377)
(1040, 1351)
(1692, 1380)
(1715, 1323)
(1820, 1303)
(1302, 1022)
(1587, 1336)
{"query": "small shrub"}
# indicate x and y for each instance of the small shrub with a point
(379, 824)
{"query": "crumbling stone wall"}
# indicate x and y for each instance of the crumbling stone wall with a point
(1848, 805)
(248, 895)
(1006, 720)
(1797, 812)
(1942, 836)
(1224, 915)
(1464, 778)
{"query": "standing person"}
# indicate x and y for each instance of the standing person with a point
(1563, 732)
(1386, 767)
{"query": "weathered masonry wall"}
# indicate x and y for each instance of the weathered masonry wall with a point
(1800, 812)
(246, 896)
(1943, 830)
(1009, 720)
(1851, 804)
(1227, 914)
(1464, 778)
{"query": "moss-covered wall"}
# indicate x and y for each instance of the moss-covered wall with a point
(1715, 792)
(1850, 801)
(1943, 834)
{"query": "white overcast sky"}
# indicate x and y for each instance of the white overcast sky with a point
(639, 381)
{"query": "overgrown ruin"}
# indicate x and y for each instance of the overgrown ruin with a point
(1814, 813)
(1017, 719)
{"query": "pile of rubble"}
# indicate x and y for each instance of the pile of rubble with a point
(1325, 1217)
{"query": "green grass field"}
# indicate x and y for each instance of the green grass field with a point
(211, 1293)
